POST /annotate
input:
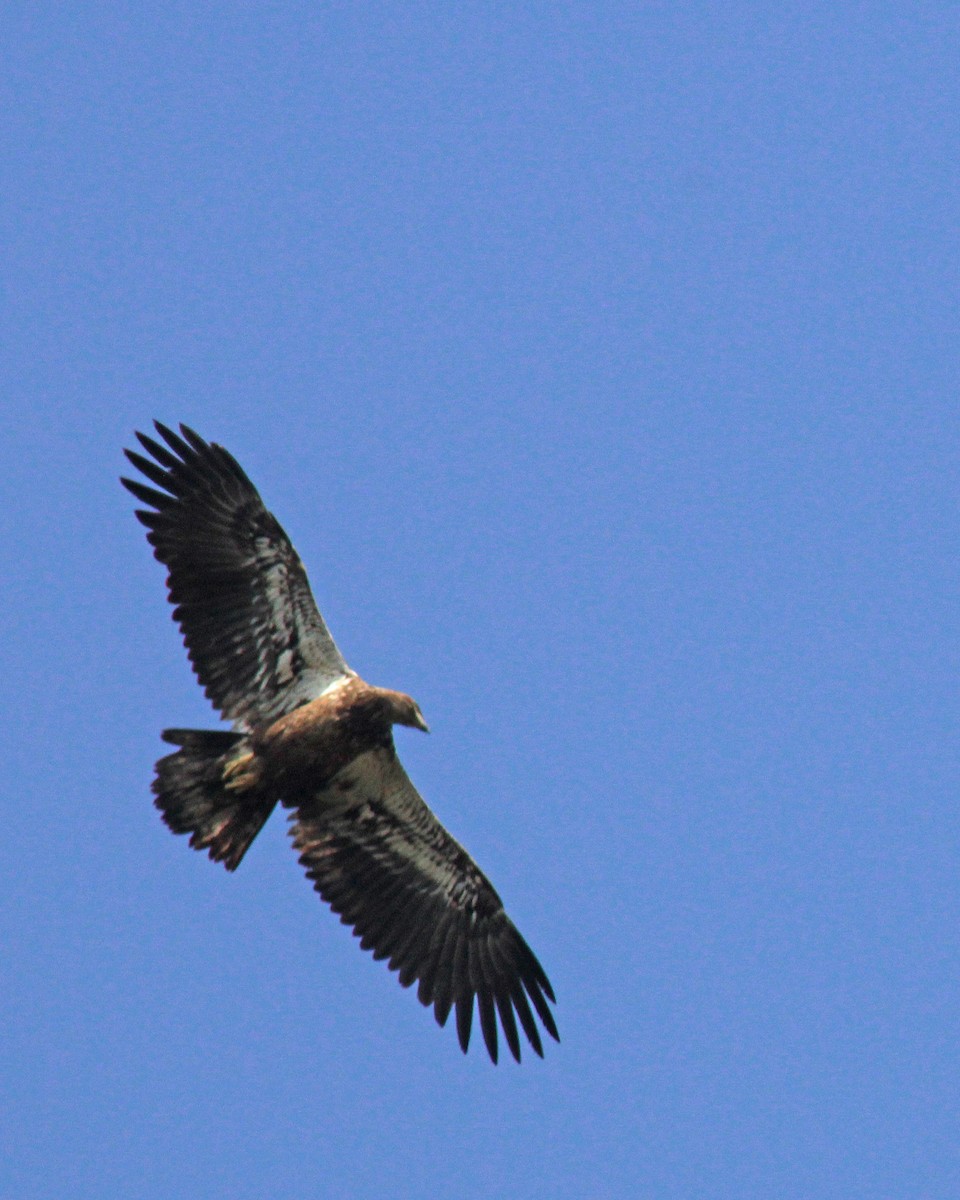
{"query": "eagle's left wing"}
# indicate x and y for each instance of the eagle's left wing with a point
(413, 895)
(250, 624)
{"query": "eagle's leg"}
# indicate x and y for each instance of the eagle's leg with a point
(242, 773)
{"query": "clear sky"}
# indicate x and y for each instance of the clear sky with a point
(601, 361)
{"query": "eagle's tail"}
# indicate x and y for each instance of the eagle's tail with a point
(193, 792)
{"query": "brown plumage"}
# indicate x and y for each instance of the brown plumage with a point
(310, 734)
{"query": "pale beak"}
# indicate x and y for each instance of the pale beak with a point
(421, 723)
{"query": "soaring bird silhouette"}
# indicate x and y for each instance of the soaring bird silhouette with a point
(310, 733)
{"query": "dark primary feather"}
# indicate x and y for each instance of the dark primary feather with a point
(385, 864)
(252, 629)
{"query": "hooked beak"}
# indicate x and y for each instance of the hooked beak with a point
(421, 723)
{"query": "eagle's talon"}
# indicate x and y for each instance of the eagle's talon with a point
(236, 765)
(240, 773)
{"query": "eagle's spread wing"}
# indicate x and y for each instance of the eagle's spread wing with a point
(382, 860)
(251, 626)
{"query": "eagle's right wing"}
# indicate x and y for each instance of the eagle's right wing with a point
(413, 895)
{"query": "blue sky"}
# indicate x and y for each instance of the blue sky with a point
(601, 362)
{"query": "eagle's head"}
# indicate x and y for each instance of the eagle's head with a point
(404, 710)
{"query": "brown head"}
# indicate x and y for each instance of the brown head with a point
(404, 710)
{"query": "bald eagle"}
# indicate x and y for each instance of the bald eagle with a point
(309, 733)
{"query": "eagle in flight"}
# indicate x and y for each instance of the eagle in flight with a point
(310, 733)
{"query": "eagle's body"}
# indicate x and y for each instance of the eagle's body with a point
(310, 734)
(300, 752)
